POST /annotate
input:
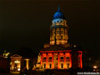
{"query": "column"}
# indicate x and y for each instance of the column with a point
(64, 61)
(20, 65)
(41, 59)
(81, 60)
(12, 64)
(46, 61)
(70, 60)
(27, 64)
(58, 60)
(52, 61)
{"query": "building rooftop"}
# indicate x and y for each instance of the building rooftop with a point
(58, 14)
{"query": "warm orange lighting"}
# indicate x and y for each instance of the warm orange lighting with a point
(56, 55)
(17, 61)
(64, 61)
(46, 61)
(50, 54)
(58, 61)
(70, 61)
(67, 54)
(61, 54)
(52, 61)
(18, 69)
(27, 64)
(95, 67)
(80, 55)
(44, 54)
(41, 59)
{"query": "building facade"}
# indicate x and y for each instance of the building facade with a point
(22, 59)
(59, 53)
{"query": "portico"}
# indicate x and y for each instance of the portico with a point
(56, 59)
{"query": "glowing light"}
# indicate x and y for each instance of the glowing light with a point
(61, 54)
(5, 54)
(95, 67)
(50, 54)
(52, 61)
(74, 45)
(93, 70)
(17, 61)
(18, 69)
(89, 58)
(27, 64)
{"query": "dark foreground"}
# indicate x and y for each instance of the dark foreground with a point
(51, 72)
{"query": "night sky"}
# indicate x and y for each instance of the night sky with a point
(26, 23)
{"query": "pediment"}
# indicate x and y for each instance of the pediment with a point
(16, 55)
(54, 48)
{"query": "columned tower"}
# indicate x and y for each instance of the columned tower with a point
(58, 29)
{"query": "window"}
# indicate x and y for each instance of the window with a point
(68, 65)
(50, 65)
(62, 59)
(61, 65)
(50, 59)
(57, 32)
(44, 59)
(44, 65)
(61, 32)
(61, 37)
(67, 57)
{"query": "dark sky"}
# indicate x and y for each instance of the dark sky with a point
(26, 23)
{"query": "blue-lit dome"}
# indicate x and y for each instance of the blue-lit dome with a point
(58, 14)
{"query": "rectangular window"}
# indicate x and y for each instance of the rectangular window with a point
(61, 37)
(50, 65)
(44, 65)
(61, 65)
(68, 65)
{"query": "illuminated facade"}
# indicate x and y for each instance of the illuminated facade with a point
(23, 59)
(60, 54)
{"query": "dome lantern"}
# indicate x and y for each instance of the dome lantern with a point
(58, 14)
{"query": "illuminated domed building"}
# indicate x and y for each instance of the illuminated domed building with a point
(60, 54)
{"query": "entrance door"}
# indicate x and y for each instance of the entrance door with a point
(15, 67)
